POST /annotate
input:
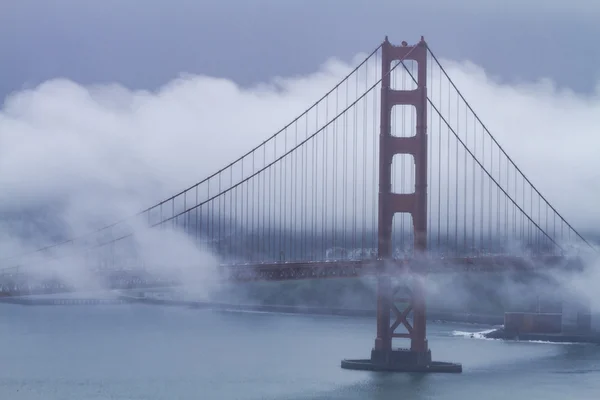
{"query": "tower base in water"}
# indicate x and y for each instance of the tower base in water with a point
(401, 360)
(409, 296)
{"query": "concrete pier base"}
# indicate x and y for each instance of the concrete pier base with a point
(401, 360)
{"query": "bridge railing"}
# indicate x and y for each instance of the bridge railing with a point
(312, 187)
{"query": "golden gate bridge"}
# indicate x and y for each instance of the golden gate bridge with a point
(390, 174)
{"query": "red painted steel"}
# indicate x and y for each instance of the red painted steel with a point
(392, 203)
(381, 268)
(13, 285)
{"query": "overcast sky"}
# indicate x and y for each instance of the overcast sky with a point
(143, 44)
(103, 152)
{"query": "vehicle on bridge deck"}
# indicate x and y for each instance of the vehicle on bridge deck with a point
(19, 283)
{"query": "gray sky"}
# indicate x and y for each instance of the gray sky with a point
(90, 155)
(146, 46)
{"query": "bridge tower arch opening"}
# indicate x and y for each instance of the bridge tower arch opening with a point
(384, 357)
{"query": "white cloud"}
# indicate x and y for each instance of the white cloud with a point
(550, 134)
(99, 153)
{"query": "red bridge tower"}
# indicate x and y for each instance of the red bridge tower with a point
(383, 356)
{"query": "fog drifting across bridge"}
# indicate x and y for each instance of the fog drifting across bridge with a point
(316, 186)
(313, 185)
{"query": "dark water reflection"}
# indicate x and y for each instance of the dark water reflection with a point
(143, 352)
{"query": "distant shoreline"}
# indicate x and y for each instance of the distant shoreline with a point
(432, 315)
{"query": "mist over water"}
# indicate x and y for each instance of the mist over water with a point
(158, 353)
(75, 158)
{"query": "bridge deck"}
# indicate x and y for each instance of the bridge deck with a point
(357, 268)
(20, 284)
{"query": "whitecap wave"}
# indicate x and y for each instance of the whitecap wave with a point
(482, 335)
(473, 335)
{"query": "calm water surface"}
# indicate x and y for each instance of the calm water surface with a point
(148, 352)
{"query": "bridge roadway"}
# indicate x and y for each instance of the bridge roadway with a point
(20, 284)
